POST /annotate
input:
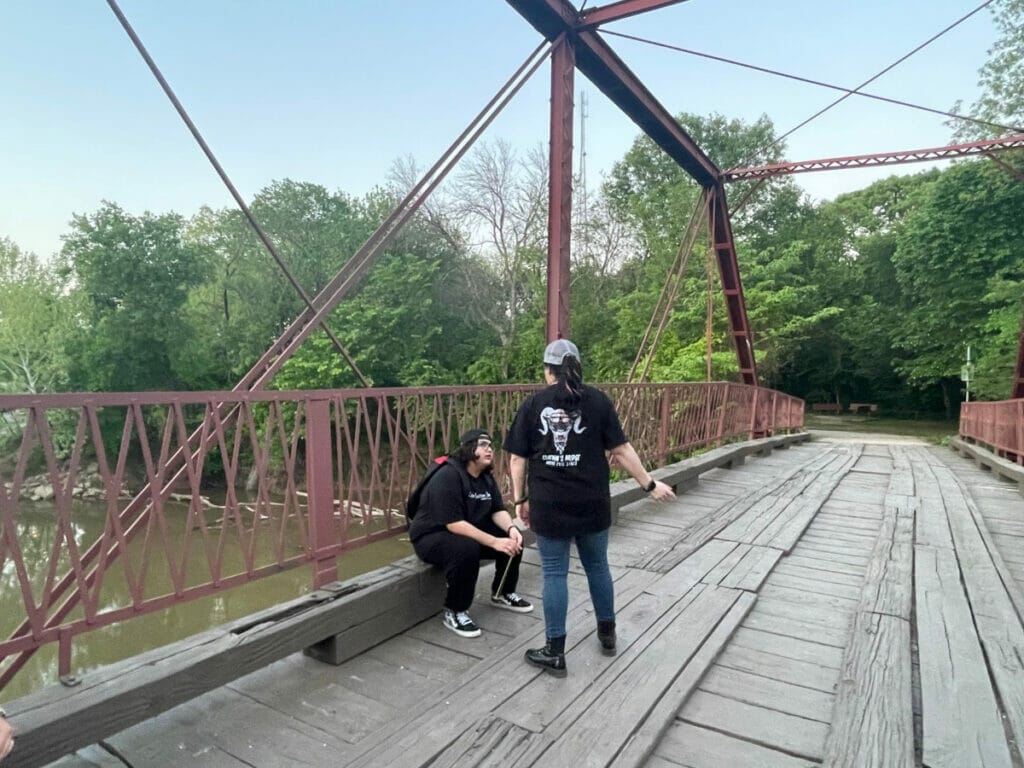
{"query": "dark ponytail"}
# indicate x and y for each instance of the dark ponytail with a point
(569, 377)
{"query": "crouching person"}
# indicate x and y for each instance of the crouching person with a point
(460, 521)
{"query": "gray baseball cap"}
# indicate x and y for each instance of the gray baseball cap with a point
(558, 349)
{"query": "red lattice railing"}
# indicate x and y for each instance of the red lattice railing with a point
(999, 425)
(304, 477)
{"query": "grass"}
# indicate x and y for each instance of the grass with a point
(932, 431)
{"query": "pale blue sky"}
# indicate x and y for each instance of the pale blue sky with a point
(333, 91)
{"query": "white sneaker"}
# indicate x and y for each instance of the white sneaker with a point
(460, 623)
(510, 601)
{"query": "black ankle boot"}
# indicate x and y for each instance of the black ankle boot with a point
(550, 658)
(606, 635)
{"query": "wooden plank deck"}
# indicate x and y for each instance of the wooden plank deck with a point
(841, 603)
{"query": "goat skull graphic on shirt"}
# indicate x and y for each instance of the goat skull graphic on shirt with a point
(560, 424)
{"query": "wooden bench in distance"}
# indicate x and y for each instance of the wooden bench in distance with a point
(863, 408)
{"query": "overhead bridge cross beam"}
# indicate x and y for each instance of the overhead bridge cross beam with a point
(885, 158)
(579, 47)
(600, 64)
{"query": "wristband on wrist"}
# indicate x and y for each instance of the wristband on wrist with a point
(523, 500)
(509, 531)
(650, 486)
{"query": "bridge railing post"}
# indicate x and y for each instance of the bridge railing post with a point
(726, 403)
(663, 429)
(320, 487)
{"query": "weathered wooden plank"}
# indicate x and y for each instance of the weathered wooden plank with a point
(682, 473)
(432, 661)
(55, 721)
(873, 722)
(861, 496)
(223, 726)
(816, 586)
(770, 728)
(800, 558)
(748, 526)
(690, 745)
(725, 566)
(433, 723)
(877, 465)
(752, 569)
(888, 579)
(493, 743)
(779, 667)
(784, 532)
(650, 732)
(712, 524)
(594, 740)
(770, 694)
(300, 679)
(854, 536)
(544, 700)
(820, 601)
(804, 611)
(802, 649)
(792, 627)
(842, 521)
(852, 510)
(932, 525)
(860, 545)
(961, 721)
(830, 553)
(694, 567)
(817, 574)
(995, 600)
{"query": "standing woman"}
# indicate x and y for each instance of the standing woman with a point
(562, 433)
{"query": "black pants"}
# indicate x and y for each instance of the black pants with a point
(459, 557)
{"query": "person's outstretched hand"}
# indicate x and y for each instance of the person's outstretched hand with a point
(6, 738)
(662, 491)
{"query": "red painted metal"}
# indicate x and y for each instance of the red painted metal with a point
(732, 287)
(884, 158)
(599, 63)
(320, 489)
(361, 261)
(328, 470)
(1018, 372)
(998, 425)
(285, 346)
(621, 10)
(560, 189)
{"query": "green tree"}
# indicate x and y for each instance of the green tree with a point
(1001, 77)
(133, 275)
(651, 193)
(36, 318)
(247, 302)
(960, 250)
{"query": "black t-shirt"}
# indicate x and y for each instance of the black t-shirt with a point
(568, 470)
(451, 495)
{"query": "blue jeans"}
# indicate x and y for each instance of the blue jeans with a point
(554, 560)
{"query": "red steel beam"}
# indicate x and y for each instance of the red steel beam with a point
(884, 158)
(599, 63)
(729, 271)
(1018, 374)
(563, 69)
(621, 10)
